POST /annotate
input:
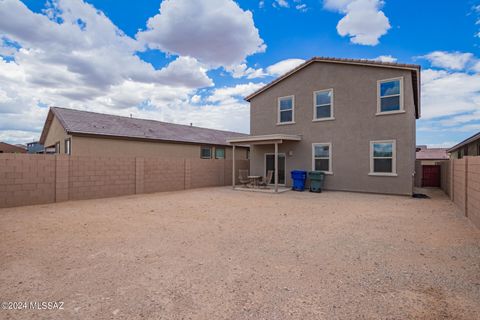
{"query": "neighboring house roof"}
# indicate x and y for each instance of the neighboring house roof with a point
(11, 148)
(464, 142)
(432, 154)
(415, 70)
(99, 124)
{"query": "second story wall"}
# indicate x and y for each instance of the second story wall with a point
(354, 102)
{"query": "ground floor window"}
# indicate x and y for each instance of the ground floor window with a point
(206, 152)
(219, 153)
(322, 157)
(383, 157)
(57, 147)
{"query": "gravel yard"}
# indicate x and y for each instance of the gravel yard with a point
(216, 253)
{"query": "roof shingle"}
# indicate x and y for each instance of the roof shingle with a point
(85, 122)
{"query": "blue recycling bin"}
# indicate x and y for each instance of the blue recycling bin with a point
(299, 177)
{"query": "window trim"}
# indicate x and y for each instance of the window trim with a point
(394, 159)
(379, 97)
(330, 152)
(278, 110)
(57, 147)
(224, 152)
(69, 140)
(202, 147)
(332, 115)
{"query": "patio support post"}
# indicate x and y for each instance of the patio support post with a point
(233, 167)
(276, 167)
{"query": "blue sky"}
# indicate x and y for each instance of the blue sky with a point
(189, 61)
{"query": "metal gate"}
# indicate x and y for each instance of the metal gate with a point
(431, 176)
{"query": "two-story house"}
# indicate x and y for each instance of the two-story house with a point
(352, 119)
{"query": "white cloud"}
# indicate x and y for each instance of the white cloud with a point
(461, 119)
(386, 58)
(284, 66)
(73, 56)
(363, 22)
(231, 94)
(242, 70)
(450, 60)
(274, 70)
(447, 93)
(301, 7)
(196, 99)
(446, 144)
(215, 32)
(282, 3)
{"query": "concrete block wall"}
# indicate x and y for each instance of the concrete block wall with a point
(207, 173)
(459, 186)
(445, 176)
(101, 177)
(473, 190)
(461, 181)
(239, 165)
(27, 179)
(164, 174)
(36, 179)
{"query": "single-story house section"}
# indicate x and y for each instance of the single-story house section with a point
(84, 133)
(427, 166)
(352, 119)
(10, 148)
(468, 147)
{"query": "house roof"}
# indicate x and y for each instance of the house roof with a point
(464, 142)
(414, 68)
(432, 154)
(106, 125)
(12, 147)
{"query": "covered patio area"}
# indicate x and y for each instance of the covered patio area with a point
(271, 139)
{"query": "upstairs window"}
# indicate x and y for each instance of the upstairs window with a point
(322, 157)
(219, 153)
(390, 96)
(206, 152)
(383, 157)
(285, 109)
(323, 104)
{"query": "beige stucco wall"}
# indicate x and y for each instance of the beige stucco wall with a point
(355, 125)
(117, 147)
(472, 150)
(55, 134)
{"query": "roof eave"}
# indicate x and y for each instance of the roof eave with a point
(471, 139)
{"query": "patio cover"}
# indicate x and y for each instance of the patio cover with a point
(274, 139)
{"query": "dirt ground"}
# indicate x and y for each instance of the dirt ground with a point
(216, 253)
